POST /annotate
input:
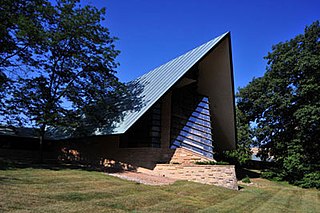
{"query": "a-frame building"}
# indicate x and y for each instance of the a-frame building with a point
(187, 103)
(183, 111)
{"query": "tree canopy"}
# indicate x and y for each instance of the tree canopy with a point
(20, 35)
(284, 104)
(60, 62)
(242, 154)
(21, 30)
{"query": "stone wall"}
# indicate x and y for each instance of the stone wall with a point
(134, 158)
(105, 152)
(181, 166)
(185, 156)
(219, 175)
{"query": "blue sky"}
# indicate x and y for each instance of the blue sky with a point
(153, 32)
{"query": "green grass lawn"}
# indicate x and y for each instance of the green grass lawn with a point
(67, 190)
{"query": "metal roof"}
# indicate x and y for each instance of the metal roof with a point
(153, 84)
(158, 81)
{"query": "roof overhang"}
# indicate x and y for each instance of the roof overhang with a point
(160, 80)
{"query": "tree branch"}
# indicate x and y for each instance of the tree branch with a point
(10, 56)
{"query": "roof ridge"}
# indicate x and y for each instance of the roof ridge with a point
(173, 59)
(159, 80)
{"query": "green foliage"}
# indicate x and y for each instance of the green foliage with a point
(284, 104)
(293, 165)
(311, 180)
(21, 31)
(67, 72)
(20, 34)
(246, 179)
(242, 153)
(211, 163)
(272, 175)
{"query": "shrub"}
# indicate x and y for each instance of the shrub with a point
(311, 180)
(237, 157)
(246, 179)
(272, 175)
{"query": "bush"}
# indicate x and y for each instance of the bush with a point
(246, 179)
(237, 157)
(311, 180)
(272, 175)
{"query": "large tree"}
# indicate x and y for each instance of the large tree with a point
(68, 79)
(20, 34)
(284, 104)
(21, 31)
(242, 154)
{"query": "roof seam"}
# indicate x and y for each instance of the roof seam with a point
(166, 76)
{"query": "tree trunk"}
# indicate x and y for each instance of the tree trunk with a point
(41, 140)
(41, 149)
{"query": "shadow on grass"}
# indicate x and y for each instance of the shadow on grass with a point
(7, 164)
(243, 172)
(240, 187)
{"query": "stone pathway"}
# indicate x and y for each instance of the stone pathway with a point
(143, 178)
